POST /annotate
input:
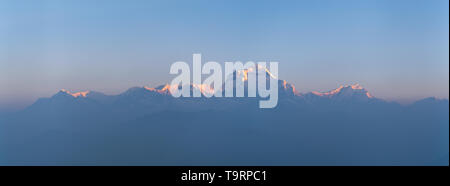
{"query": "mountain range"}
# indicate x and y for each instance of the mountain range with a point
(147, 126)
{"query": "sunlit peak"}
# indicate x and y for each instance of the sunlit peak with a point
(245, 72)
(149, 88)
(76, 94)
(162, 90)
(335, 91)
(356, 86)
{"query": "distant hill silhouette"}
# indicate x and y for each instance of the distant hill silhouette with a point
(147, 126)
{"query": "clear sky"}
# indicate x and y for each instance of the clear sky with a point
(397, 49)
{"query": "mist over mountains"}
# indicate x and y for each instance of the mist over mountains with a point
(147, 126)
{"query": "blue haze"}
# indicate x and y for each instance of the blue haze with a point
(149, 127)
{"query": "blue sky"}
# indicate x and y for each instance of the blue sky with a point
(398, 50)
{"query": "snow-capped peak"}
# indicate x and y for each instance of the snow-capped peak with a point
(356, 87)
(345, 90)
(243, 74)
(167, 88)
(76, 94)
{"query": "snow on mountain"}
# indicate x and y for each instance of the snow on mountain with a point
(241, 78)
(353, 92)
(63, 93)
(159, 97)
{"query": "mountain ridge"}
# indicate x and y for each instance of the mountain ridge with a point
(344, 93)
(285, 88)
(147, 126)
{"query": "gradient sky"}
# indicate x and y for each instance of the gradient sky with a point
(397, 49)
